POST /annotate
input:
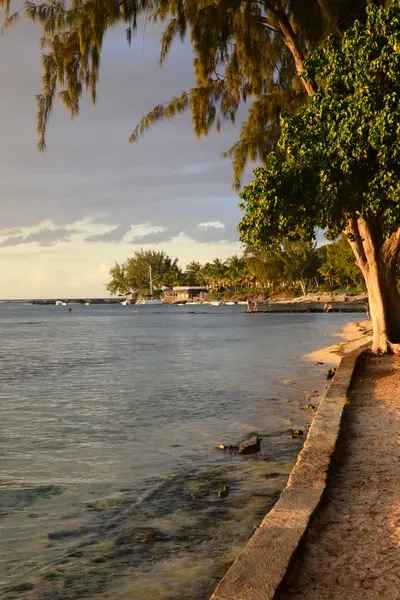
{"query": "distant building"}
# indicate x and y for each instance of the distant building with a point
(183, 293)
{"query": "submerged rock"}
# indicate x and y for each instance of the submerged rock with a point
(61, 535)
(21, 587)
(223, 491)
(249, 446)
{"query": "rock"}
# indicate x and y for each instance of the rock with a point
(330, 374)
(21, 587)
(224, 448)
(249, 446)
(295, 433)
(61, 535)
(223, 491)
(311, 407)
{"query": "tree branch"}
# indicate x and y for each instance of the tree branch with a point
(291, 42)
(391, 248)
(352, 232)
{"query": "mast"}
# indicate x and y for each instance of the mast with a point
(151, 282)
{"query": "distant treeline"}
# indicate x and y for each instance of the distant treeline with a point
(292, 266)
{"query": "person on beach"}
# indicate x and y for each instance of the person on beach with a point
(248, 305)
(366, 307)
(69, 309)
(255, 305)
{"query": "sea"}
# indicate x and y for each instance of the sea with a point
(111, 483)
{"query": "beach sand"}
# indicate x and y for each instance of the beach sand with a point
(352, 550)
(353, 334)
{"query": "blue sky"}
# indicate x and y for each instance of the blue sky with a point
(93, 199)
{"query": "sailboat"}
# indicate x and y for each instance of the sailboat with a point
(148, 300)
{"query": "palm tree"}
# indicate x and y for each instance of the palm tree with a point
(235, 271)
(174, 276)
(193, 274)
(265, 266)
(207, 275)
(219, 273)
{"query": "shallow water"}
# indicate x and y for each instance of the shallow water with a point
(110, 417)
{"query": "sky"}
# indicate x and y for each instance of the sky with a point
(92, 199)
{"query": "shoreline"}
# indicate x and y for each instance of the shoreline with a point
(278, 541)
(354, 335)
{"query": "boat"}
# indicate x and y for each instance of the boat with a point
(216, 303)
(148, 300)
(87, 303)
(58, 303)
(125, 303)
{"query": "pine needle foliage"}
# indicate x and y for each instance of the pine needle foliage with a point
(243, 50)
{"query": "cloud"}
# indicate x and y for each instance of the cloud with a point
(211, 224)
(113, 236)
(90, 171)
(91, 179)
(204, 233)
(213, 233)
(44, 237)
(155, 237)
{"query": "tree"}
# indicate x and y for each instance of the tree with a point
(339, 265)
(118, 283)
(194, 274)
(235, 272)
(337, 165)
(133, 275)
(218, 273)
(264, 266)
(297, 261)
(173, 277)
(242, 49)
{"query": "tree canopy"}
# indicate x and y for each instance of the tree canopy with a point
(337, 163)
(290, 267)
(132, 276)
(243, 50)
(338, 264)
(338, 157)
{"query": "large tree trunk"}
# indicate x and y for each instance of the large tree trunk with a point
(377, 259)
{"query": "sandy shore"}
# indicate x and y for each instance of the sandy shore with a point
(352, 550)
(353, 334)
